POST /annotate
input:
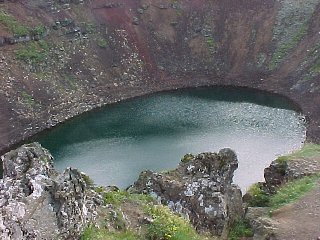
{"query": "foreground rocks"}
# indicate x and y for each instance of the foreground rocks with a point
(200, 189)
(37, 202)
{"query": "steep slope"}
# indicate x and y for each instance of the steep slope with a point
(63, 57)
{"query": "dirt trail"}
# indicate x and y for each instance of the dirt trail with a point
(300, 220)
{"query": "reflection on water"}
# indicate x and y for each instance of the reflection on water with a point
(114, 144)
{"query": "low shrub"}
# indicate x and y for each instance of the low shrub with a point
(240, 229)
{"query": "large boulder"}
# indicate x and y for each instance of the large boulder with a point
(36, 202)
(200, 189)
(275, 175)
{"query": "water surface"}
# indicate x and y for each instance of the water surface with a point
(112, 145)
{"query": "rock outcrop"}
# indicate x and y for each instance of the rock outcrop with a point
(280, 172)
(262, 226)
(275, 175)
(200, 189)
(37, 202)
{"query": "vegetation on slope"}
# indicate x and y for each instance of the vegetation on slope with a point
(156, 221)
(240, 229)
(290, 191)
(308, 150)
(18, 29)
(33, 52)
(12, 25)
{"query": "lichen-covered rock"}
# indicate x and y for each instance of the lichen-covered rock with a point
(200, 189)
(36, 202)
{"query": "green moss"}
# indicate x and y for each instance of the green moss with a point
(258, 197)
(292, 191)
(12, 25)
(284, 48)
(99, 189)
(32, 52)
(211, 43)
(38, 30)
(44, 159)
(179, 12)
(87, 179)
(186, 158)
(239, 230)
(102, 43)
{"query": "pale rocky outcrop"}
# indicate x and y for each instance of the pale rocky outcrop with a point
(37, 202)
(200, 189)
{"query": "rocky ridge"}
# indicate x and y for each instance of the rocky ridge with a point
(37, 202)
(200, 189)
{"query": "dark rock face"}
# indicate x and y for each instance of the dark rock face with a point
(39, 203)
(200, 189)
(275, 175)
(280, 172)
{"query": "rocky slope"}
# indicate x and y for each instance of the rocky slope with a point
(63, 57)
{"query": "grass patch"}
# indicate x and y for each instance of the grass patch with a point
(285, 194)
(12, 25)
(258, 197)
(292, 191)
(308, 150)
(240, 229)
(164, 225)
(284, 48)
(119, 196)
(93, 233)
(167, 225)
(32, 52)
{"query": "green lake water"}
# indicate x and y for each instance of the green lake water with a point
(114, 144)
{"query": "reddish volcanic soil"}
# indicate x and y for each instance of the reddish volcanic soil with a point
(104, 51)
